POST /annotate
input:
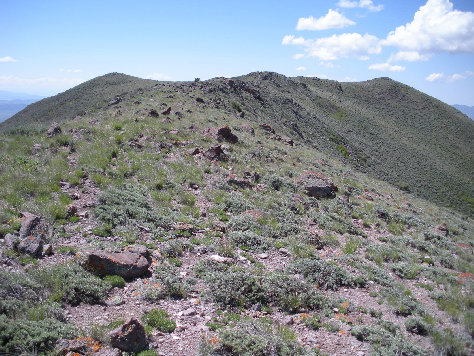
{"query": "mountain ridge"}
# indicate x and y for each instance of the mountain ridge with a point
(380, 126)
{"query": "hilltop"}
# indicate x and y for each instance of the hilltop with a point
(235, 216)
(381, 127)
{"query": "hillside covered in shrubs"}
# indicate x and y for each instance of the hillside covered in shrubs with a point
(259, 215)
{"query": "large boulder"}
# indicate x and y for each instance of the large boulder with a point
(216, 153)
(53, 130)
(29, 222)
(31, 245)
(317, 185)
(128, 265)
(225, 134)
(130, 337)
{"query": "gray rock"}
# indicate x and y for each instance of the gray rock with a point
(126, 264)
(53, 130)
(130, 337)
(28, 224)
(11, 241)
(31, 245)
(216, 153)
(317, 185)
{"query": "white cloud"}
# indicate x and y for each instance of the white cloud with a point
(298, 55)
(349, 79)
(435, 28)
(333, 19)
(384, 67)
(70, 70)
(327, 64)
(410, 56)
(8, 59)
(301, 69)
(337, 46)
(457, 76)
(434, 76)
(367, 4)
(158, 76)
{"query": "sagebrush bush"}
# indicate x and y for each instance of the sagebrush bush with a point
(248, 240)
(29, 336)
(168, 276)
(72, 284)
(417, 325)
(327, 275)
(385, 343)
(235, 203)
(254, 337)
(405, 270)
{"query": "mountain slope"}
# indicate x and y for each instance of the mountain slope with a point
(383, 127)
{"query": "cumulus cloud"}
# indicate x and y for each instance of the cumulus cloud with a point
(367, 4)
(337, 46)
(409, 56)
(386, 67)
(436, 27)
(434, 77)
(301, 69)
(333, 19)
(457, 76)
(298, 55)
(158, 76)
(7, 59)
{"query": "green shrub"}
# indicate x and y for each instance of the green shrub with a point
(25, 335)
(248, 240)
(72, 284)
(207, 267)
(313, 322)
(385, 343)
(254, 337)
(277, 182)
(447, 343)
(115, 281)
(405, 270)
(159, 319)
(168, 276)
(235, 203)
(402, 301)
(417, 325)
(327, 275)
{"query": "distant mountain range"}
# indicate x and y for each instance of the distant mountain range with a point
(11, 103)
(466, 110)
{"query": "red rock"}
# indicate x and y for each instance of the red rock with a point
(130, 337)
(225, 134)
(126, 264)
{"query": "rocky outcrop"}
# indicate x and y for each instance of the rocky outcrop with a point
(31, 245)
(317, 185)
(216, 153)
(225, 134)
(128, 265)
(53, 130)
(130, 337)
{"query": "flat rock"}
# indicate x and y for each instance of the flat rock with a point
(317, 185)
(130, 337)
(126, 264)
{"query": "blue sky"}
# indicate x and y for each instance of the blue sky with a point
(49, 46)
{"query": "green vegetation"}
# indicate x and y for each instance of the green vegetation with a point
(159, 319)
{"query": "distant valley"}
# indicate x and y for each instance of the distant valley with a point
(11, 103)
(466, 110)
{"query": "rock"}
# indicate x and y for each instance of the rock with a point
(249, 129)
(444, 229)
(79, 346)
(194, 151)
(53, 130)
(262, 256)
(241, 183)
(115, 101)
(128, 265)
(31, 245)
(225, 134)
(317, 185)
(47, 250)
(153, 113)
(28, 224)
(35, 148)
(115, 301)
(220, 259)
(188, 312)
(288, 320)
(130, 337)
(284, 251)
(200, 100)
(11, 241)
(216, 153)
(138, 249)
(167, 111)
(71, 210)
(267, 128)
(288, 141)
